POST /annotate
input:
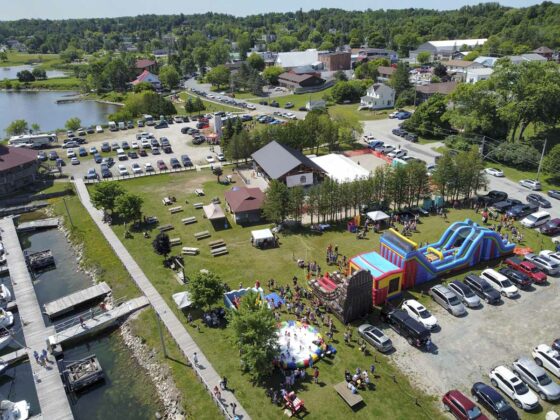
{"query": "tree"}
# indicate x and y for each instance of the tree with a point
(427, 120)
(253, 330)
(104, 196)
(276, 202)
(205, 290)
(17, 127)
(162, 244)
(218, 53)
(271, 74)
(219, 76)
(440, 70)
(189, 105)
(340, 76)
(25, 76)
(423, 57)
(169, 76)
(35, 127)
(129, 207)
(199, 105)
(400, 80)
(73, 123)
(39, 74)
(218, 171)
(471, 56)
(256, 61)
(143, 87)
(3, 56)
(551, 161)
(351, 90)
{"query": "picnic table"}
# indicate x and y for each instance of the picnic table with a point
(199, 192)
(216, 252)
(188, 220)
(166, 201)
(202, 235)
(217, 243)
(351, 399)
(176, 209)
(198, 205)
(151, 220)
(175, 241)
(187, 250)
(165, 228)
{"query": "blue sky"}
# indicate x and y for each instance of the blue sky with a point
(63, 9)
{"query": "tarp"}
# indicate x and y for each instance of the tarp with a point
(213, 212)
(262, 234)
(182, 300)
(378, 215)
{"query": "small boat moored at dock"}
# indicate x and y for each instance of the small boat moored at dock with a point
(83, 373)
(5, 338)
(14, 410)
(5, 295)
(6, 318)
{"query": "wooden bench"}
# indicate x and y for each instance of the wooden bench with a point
(188, 220)
(151, 220)
(216, 252)
(175, 209)
(189, 250)
(202, 235)
(351, 399)
(165, 228)
(218, 243)
(166, 201)
(175, 241)
(198, 205)
(199, 191)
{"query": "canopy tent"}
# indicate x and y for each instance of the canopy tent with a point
(378, 215)
(213, 212)
(261, 235)
(182, 300)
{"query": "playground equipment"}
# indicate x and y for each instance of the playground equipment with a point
(293, 403)
(233, 298)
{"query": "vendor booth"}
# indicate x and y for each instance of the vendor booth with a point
(263, 238)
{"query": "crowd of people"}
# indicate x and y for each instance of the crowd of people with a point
(359, 380)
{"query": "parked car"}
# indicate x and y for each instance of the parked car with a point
(115, 146)
(161, 165)
(518, 278)
(413, 138)
(210, 159)
(121, 155)
(98, 129)
(105, 147)
(551, 255)
(507, 382)
(493, 401)
(90, 129)
(385, 149)
(532, 184)
(136, 168)
(527, 268)
(97, 158)
(494, 172)
(105, 172)
(399, 132)
(91, 174)
(465, 293)
(42, 156)
(142, 153)
(74, 161)
(548, 265)
(418, 312)
(538, 200)
(108, 161)
(375, 337)
(521, 210)
(164, 124)
(447, 299)
(500, 282)
(82, 152)
(554, 194)
(289, 105)
(174, 162)
(155, 151)
(504, 206)
(552, 227)
(461, 407)
(413, 331)
(403, 115)
(186, 161)
(536, 219)
(397, 153)
(70, 153)
(125, 145)
(548, 358)
(148, 167)
(132, 155)
(536, 377)
(556, 344)
(122, 170)
(492, 197)
(483, 289)
(70, 144)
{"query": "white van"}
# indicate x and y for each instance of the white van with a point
(121, 155)
(500, 282)
(536, 219)
(122, 125)
(99, 129)
(113, 126)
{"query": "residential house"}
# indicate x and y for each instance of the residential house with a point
(378, 96)
(424, 92)
(245, 204)
(18, 168)
(148, 77)
(385, 73)
(545, 52)
(457, 69)
(518, 59)
(340, 60)
(143, 65)
(290, 60)
(14, 44)
(294, 81)
(445, 48)
(316, 105)
(486, 61)
(285, 164)
(478, 74)
(368, 54)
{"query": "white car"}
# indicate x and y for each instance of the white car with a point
(148, 167)
(548, 358)
(134, 144)
(251, 107)
(146, 144)
(546, 264)
(397, 153)
(221, 157)
(507, 382)
(500, 282)
(494, 172)
(122, 170)
(532, 184)
(210, 159)
(417, 311)
(70, 153)
(551, 255)
(535, 220)
(75, 161)
(99, 129)
(393, 114)
(136, 168)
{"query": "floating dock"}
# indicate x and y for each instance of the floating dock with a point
(39, 260)
(68, 303)
(14, 356)
(83, 373)
(38, 224)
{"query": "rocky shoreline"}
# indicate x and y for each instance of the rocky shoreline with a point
(167, 392)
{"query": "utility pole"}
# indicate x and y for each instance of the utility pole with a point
(67, 212)
(542, 157)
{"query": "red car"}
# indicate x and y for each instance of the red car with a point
(161, 165)
(461, 407)
(528, 268)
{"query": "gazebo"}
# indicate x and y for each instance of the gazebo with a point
(215, 214)
(377, 216)
(263, 238)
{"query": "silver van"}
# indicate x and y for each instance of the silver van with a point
(535, 376)
(447, 299)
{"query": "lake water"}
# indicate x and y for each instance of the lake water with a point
(11, 72)
(126, 393)
(41, 108)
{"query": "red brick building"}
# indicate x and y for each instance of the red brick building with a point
(341, 60)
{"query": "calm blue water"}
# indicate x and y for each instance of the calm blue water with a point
(41, 108)
(11, 72)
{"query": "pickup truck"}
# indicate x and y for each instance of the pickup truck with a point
(503, 206)
(413, 331)
(492, 197)
(527, 268)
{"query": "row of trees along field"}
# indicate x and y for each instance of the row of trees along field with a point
(457, 176)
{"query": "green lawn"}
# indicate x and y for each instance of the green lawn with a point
(47, 61)
(350, 112)
(514, 174)
(297, 100)
(56, 83)
(210, 106)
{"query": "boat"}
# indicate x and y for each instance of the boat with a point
(5, 295)
(14, 410)
(6, 318)
(83, 373)
(5, 338)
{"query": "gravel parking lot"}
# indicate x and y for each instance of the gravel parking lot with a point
(466, 349)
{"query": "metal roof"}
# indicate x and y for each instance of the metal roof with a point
(278, 159)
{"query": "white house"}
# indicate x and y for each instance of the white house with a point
(293, 59)
(486, 61)
(445, 48)
(378, 96)
(148, 77)
(478, 74)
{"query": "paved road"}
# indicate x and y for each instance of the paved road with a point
(382, 129)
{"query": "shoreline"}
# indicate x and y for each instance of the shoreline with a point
(68, 97)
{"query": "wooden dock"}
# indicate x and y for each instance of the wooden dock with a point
(38, 224)
(14, 356)
(69, 302)
(50, 389)
(73, 329)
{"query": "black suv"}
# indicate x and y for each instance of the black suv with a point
(414, 332)
(483, 289)
(493, 401)
(518, 278)
(413, 138)
(521, 210)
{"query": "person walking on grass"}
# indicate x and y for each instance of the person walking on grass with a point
(316, 375)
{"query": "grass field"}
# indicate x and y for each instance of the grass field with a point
(210, 106)
(548, 182)
(297, 100)
(47, 61)
(350, 112)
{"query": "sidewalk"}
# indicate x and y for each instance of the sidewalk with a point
(204, 370)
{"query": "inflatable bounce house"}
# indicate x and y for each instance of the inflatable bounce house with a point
(402, 264)
(233, 298)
